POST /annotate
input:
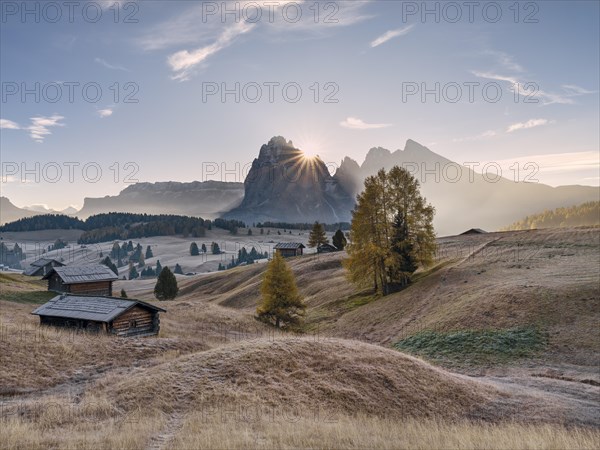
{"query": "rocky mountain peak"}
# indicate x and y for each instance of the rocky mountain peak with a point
(277, 149)
(283, 186)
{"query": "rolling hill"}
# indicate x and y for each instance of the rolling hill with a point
(216, 375)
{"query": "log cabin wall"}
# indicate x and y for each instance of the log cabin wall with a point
(65, 322)
(93, 288)
(136, 321)
(55, 284)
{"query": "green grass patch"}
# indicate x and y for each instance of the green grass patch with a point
(357, 301)
(475, 347)
(32, 297)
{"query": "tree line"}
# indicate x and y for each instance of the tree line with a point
(331, 227)
(118, 226)
(586, 214)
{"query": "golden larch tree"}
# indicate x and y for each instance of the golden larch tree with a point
(281, 302)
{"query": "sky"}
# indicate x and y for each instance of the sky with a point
(99, 95)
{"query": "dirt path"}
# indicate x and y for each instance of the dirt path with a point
(162, 440)
(542, 399)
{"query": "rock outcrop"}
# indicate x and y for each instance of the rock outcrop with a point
(284, 185)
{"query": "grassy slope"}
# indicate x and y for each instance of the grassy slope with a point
(545, 279)
(212, 354)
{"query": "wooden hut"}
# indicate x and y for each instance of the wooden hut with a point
(473, 231)
(326, 248)
(41, 267)
(118, 316)
(289, 249)
(94, 279)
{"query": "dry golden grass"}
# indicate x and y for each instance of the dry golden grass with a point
(360, 432)
(34, 357)
(213, 362)
(303, 374)
(55, 425)
(72, 427)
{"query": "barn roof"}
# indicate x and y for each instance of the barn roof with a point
(43, 261)
(289, 245)
(37, 265)
(89, 307)
(327, 247)
(83, 274)
(474, 231)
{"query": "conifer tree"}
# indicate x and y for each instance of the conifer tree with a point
(203, 248)
(281, 303)
(339, 240)
(317, 235)
(108, 263)
(123, 293)
(178, 270)
(391, 232)
(116, 251)
(194, 251)
(158, 267)
(149, 253)
(133, 273)
(166, 286)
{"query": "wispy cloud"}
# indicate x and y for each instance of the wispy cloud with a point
(479, 137)
(184, 61)
(355, 123)
(577, 90)
(556, 162)
(110, 66)
(107, 112)
(547, 98)
(388, 35)
(217, 32)
(505, 60)
(40, 126)
(110, 3)
(532, 123)
(534, 92)
(6, 124)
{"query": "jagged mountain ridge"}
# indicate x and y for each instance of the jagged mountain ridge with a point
(462, 197)
(207, 199)
(284, 185)
(278, 188)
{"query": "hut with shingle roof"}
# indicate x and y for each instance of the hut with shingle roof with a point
(118, 316)
(93, 279)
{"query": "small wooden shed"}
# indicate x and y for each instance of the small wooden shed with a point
(473, 231)
(94, 279)
(118, 316)
(41, 267)
(289, 249)
(326, 248)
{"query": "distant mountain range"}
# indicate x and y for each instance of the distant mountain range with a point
(42, 209)
(207, 199)
(462, 198)
(10, 212)
(285, 186)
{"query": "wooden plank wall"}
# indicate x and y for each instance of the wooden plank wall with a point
(95, 288)
(145, 322)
